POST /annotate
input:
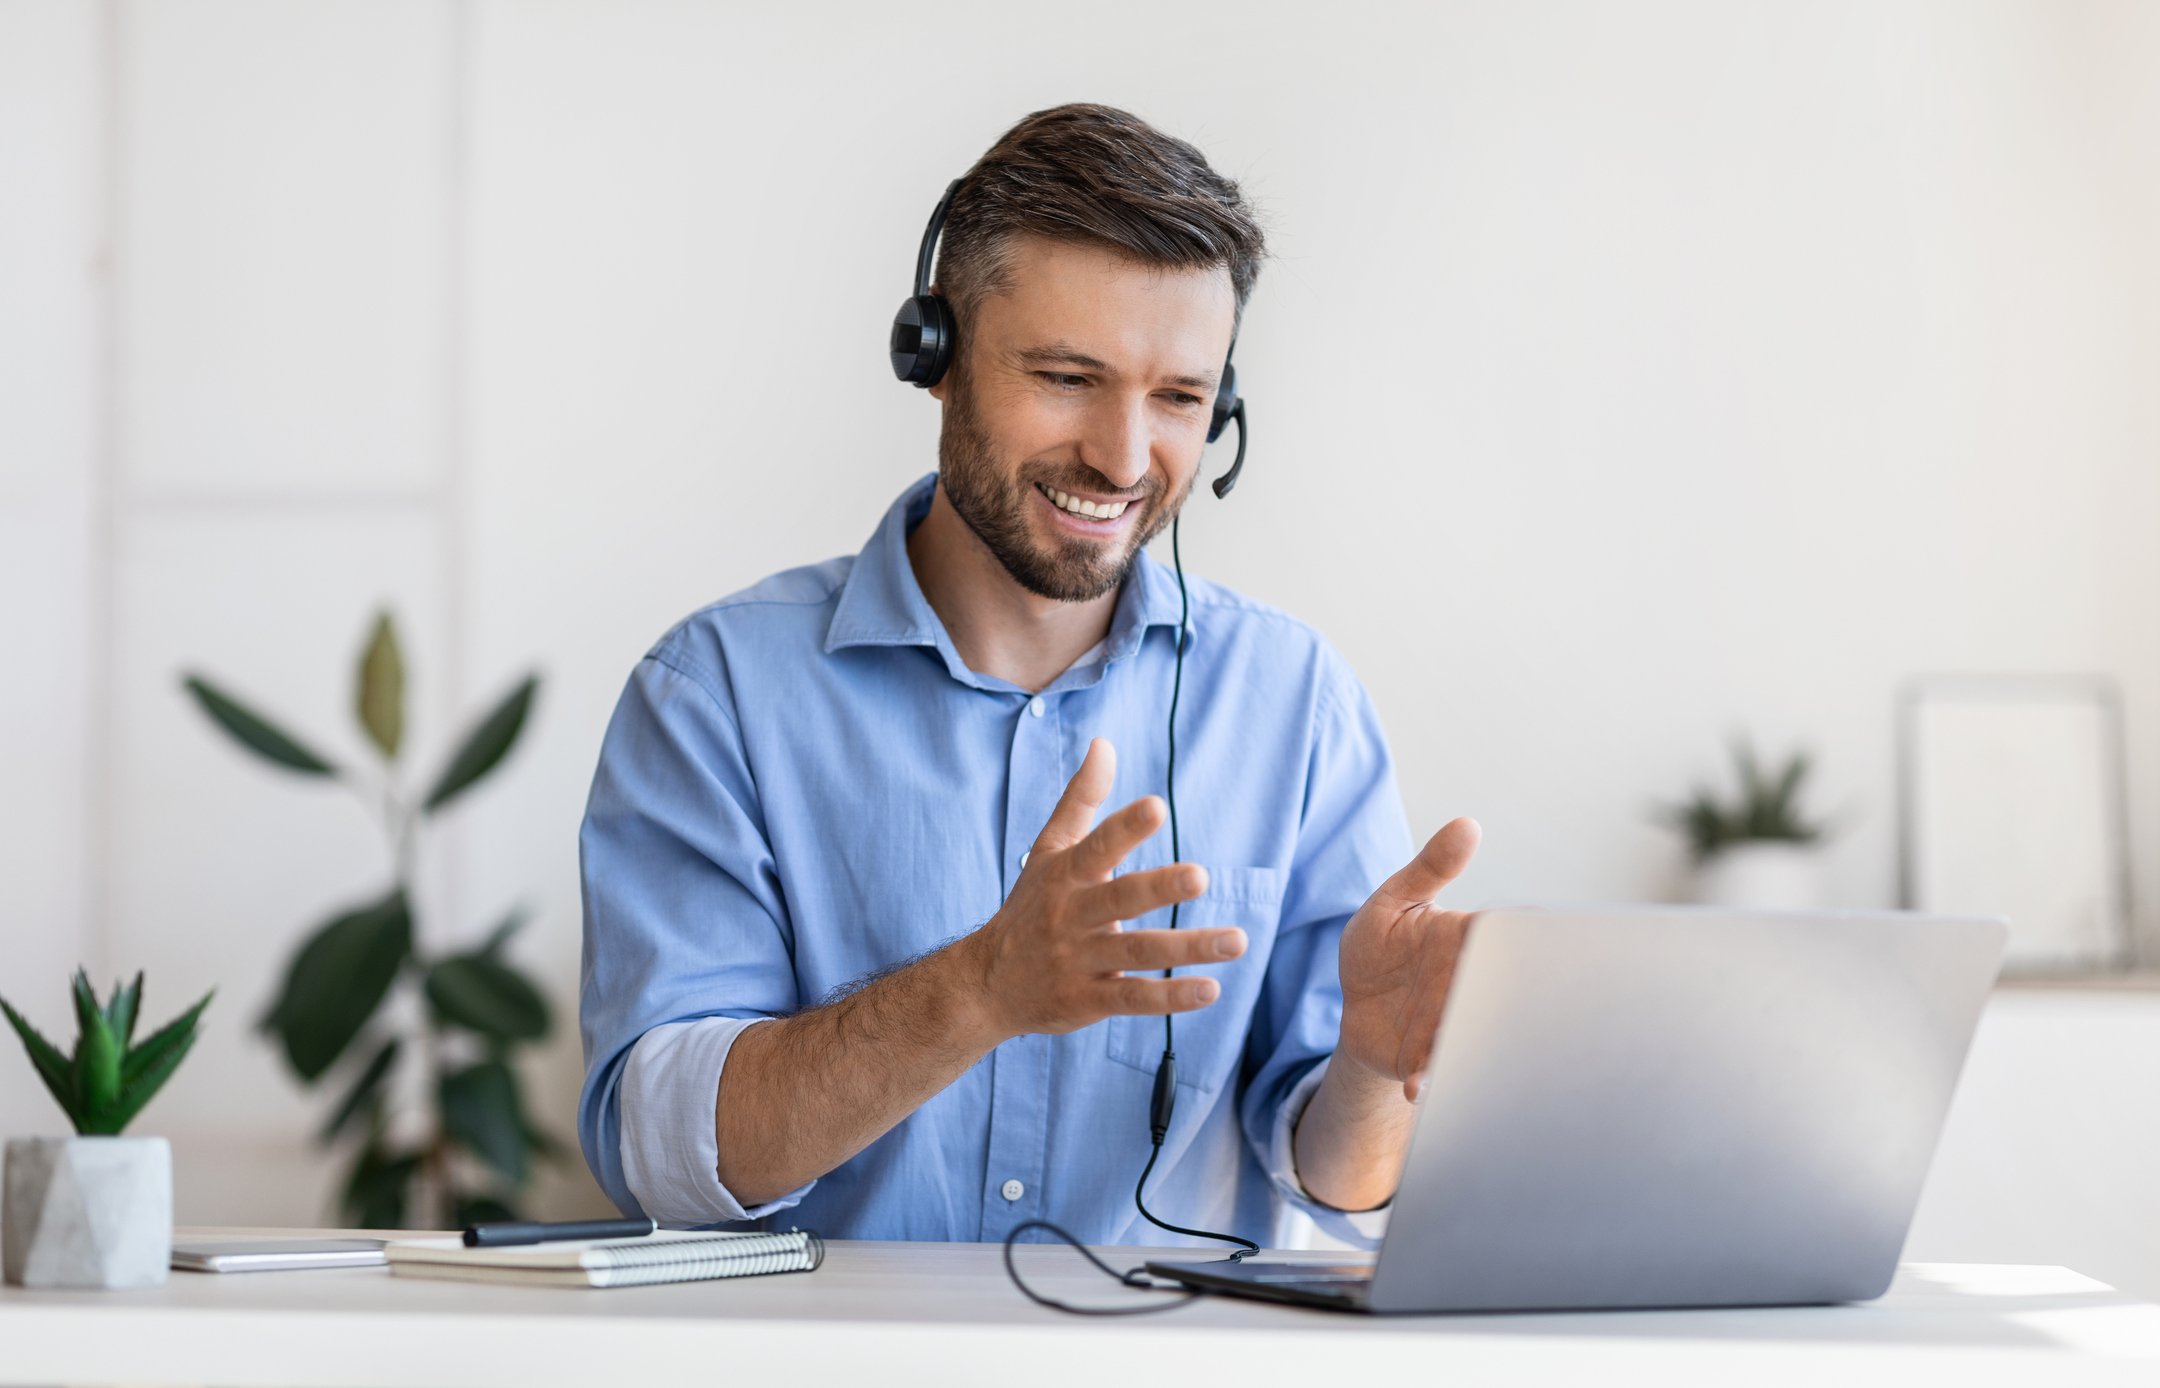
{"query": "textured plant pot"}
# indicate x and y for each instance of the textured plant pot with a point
(87, 1212)
(1766, 875)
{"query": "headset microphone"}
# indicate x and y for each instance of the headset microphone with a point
(1228, 407)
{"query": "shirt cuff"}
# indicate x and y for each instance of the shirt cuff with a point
(670, 1156)
(1357, 1228)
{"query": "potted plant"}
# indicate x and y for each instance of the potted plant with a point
(95, 1210)
(1759, 849)
(468, 1010)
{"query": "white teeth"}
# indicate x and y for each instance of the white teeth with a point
(1110, 511)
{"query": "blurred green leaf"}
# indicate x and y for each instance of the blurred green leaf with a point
(481, 1112)
(364, 1089)
(379, 689)
(97, 1063)
(486, 745)
(126, 1002)
(1767, 807)
(51, 1065)
(177, 1034)
(148, 1066)
(481, 994)
(542, 1145)
(500, 935)
(254, 732)
(337, 980)
(378, 1186)
(482, 1209)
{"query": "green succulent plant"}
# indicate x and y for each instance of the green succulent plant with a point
(108, 1079)
(475, 1008)
(1767, 808)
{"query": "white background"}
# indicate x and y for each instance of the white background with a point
(1624, 377)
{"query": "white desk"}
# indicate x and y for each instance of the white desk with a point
(901, 1314)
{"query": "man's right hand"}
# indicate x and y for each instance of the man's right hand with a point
(1055, 958)
(804, 1093)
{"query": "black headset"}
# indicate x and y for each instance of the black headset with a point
(925, 338)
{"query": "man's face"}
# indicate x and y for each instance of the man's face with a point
(1092, 375)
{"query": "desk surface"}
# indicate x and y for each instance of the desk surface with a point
(898, 1313)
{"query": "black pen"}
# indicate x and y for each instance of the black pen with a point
(516, 1231)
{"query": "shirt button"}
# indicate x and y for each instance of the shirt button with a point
(1035, 706)
(1012, 1190)
(1024, 857)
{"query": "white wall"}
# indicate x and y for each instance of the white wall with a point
(51, 136)
(1624, 376)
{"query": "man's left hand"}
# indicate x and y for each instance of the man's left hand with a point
(1398, 957)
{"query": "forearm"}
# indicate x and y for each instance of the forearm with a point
(801, 1095)
(1352, 1139)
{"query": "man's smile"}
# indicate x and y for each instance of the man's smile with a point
(1082, 515)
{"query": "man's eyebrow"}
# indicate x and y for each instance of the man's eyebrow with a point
(1065, 354)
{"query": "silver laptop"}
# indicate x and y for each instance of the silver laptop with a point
(1667, 1106)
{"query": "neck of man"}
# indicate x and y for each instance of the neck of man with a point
(999, 628)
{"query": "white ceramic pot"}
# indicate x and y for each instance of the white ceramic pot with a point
(87, 1212)
(1768, 874)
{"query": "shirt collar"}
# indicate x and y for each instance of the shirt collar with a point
(881, 604)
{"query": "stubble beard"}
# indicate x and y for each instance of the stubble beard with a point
(994, 501)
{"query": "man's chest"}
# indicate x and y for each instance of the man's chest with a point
(901, 806)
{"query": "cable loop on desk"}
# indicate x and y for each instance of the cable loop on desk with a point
(1135, 1278)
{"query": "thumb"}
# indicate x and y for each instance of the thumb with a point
(1084, 794)
(1438, 863)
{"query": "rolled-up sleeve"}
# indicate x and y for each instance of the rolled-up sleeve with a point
(1352, 834)
(687, 941)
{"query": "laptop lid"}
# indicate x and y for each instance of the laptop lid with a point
(1681, 1106)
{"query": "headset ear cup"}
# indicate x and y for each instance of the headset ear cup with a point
(1226, 403)
(921, 345)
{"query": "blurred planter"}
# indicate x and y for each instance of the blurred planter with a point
(89, 1213)
(1769, 874)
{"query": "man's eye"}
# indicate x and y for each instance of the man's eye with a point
(1188, 400)
(1062, 380)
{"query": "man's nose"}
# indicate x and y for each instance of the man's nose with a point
(1120, 441)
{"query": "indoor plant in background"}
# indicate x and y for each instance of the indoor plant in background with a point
(470, 1154)
(95, 1210)
(1758, 849)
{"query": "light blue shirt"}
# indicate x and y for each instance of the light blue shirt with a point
(803, 785)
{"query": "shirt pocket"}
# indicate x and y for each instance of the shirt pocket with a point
(1211, 1041)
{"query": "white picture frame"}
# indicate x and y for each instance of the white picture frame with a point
(2012, 804)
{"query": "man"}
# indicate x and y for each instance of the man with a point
(857, 948)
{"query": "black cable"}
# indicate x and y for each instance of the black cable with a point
(1135, 1278)
(1166, 1070)
(1165, 1097)
(1245, 1247)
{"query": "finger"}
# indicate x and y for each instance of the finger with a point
(1083, 796)
(1102, 850)
(1438, 863)
(1153, 997)
(1136, 893)
(1120, 951)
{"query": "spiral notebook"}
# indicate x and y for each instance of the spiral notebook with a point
(671, 1255)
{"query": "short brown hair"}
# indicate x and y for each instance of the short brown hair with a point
(1098, 176)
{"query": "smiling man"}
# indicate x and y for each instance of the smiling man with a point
(857, 947)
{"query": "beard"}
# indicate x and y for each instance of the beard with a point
(995, 500)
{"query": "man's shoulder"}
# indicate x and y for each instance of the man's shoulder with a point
(790, 604)
(1261, 630)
